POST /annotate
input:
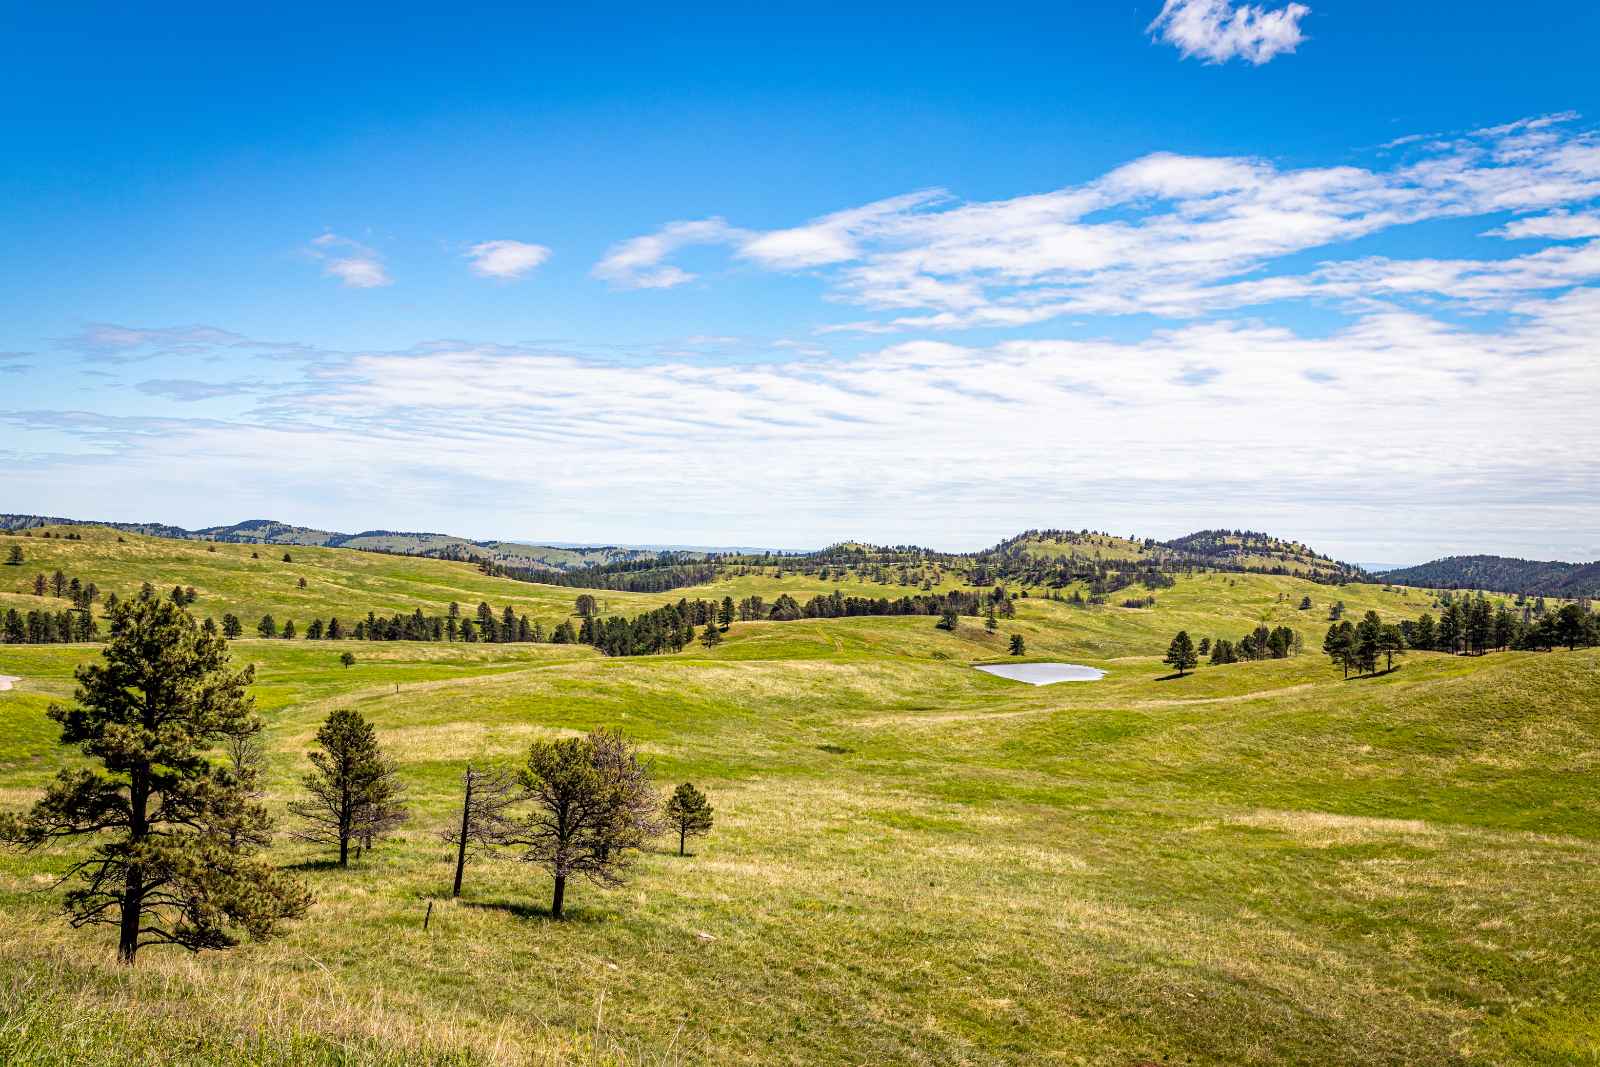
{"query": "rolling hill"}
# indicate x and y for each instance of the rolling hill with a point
(433, 545)
(1259, 863)
(1503, 574)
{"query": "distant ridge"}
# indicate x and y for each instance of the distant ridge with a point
(1503, 574)
(432, 545)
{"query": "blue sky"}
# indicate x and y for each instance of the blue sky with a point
(914, 274)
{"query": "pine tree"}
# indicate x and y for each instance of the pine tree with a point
(712, 637)
(173, 861)
(1181, 654)
(14, 557)
(689, 813)
(1018, 646)
(231, 627)
(592, 808)
(267, 627)
(354, 792)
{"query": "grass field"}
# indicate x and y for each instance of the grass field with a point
(913, 862)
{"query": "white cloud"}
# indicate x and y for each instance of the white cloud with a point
(636, 263)
(506, 259)
(1218, 423)
(1218, 31)
(352, 262)
(1165, 234)
(1559, 225)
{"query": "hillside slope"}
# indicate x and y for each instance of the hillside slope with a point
(434, 545)
(912, 862)
(1503, 574)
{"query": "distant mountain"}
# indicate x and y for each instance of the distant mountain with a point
(1503, 574)
(433, 545)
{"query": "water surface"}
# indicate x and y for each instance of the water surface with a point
(1044, 673)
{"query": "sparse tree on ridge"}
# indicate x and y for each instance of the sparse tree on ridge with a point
(592, 808)
(175, 835)
(1181, 654)
(354, 793)
(689, 813)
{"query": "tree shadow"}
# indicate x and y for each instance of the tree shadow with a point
(1175, 677)
(315, 865)
(524, 910)
(1375, 674)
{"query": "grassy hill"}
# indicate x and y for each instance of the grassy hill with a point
(435, 545)
(1237, 550)
(913, 862)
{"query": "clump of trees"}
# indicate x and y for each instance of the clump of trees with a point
(174, 837)
(1263, 642)
(1359, 646)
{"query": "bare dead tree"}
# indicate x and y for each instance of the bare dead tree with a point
(487, 797)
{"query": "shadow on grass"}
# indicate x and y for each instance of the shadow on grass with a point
(315, 865)
(1175, 677)
(524, 910)
(1375, 674)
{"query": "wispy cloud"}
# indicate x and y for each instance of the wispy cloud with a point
(187, 390)
(352, 262)
(506, 260)
(1559, 225)
(1091, 431)
(1170, 235)
(637, 263)
(1217, 31)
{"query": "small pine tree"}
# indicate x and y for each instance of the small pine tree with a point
(1019, 647)
(348, 659)
(14, 557)
(267, 627)
(354, 791)
(1181, 654)
(712, 637)
(689, 813)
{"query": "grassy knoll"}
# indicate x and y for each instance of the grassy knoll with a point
(913, 862)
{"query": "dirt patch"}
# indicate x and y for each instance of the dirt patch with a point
(6, 680)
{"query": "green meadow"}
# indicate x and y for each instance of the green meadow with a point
(913, 861)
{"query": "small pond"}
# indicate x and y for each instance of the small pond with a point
(1044, 673)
